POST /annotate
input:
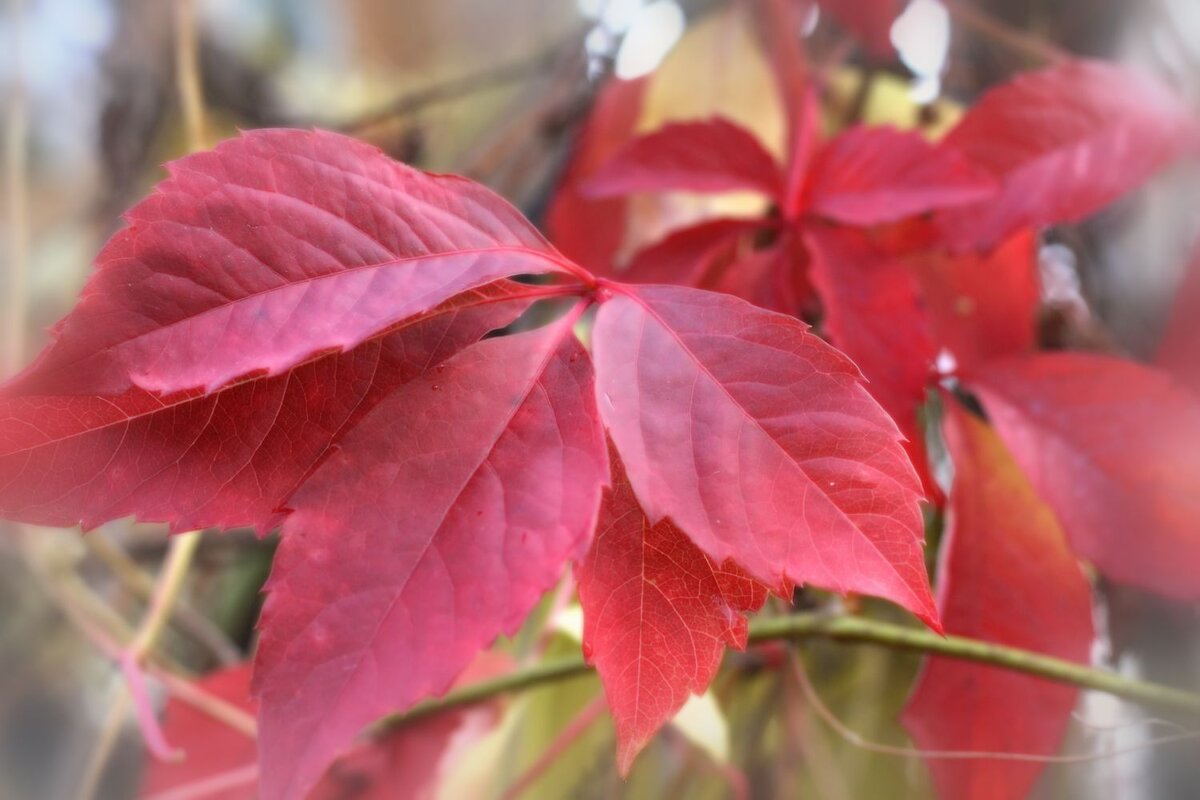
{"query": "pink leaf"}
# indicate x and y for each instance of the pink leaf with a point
(759, 441)
(272, 249)
(874, 315)
(1179, 351)
(712, 155)
(869, 176)
(590, 231)
(436, 527)
(658, 614)
(214, 754)
(689, 257)
(1007, 576)
(1114, 448)
(983, 307)
(221, 762)
(774, 277)
(1064, 142)
(414, 760)
(222, 460)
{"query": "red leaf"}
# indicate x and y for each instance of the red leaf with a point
(759, 441)
(413, 760)
(873, 314)
(1065, 142)
(713, 155)
(272, 249)
(658, 614)
(870, 21)
(1114, 448)
(983, 307)
(780, 24)
(1179, 351)
(410, 760)
(768, 278)
(222, 460)
(1007, 577)
(869, 176)
(420, 542)
(215, 754)
(689, 257)
(590, 231)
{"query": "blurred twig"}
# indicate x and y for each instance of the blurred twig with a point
(170, 583)
(111, 635)
(187, 73)
(464, 86)
(141, 585)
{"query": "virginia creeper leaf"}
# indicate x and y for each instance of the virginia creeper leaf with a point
(1114, 448)
(226, 459)
(436, 527)
(868, 176)
(1007, 576)
(272, 249)
(780, 24)
(587, 230)
(410, 760)
(415, 760)
(760, 442)
(982, 307)
(874, 315)
(720, 255)
(1179, 351)
(215, 755)
(713, 155)
(775, 277)
(1064, 142)
(690, 257)
(658, 614)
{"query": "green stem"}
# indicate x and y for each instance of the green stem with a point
(901, 637)
(845, 629)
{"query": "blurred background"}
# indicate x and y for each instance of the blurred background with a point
(500, 92)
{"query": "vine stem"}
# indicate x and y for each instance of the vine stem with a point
(849, 629)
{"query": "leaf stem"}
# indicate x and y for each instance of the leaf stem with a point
(849, 629)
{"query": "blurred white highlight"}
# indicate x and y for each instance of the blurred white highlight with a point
(653, 32)
(922, 37)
